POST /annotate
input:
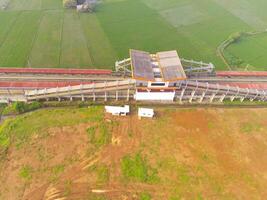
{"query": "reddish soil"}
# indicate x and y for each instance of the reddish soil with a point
(196, 152)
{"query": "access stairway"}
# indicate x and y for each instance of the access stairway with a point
(113, 89)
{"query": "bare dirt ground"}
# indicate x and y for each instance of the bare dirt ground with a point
(198, 153)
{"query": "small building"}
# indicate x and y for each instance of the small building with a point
(117, 110)
(145, 112)
(157, 75)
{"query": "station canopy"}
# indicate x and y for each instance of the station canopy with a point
(168, 62)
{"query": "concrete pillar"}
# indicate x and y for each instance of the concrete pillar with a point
(202, 97)
(181, 96)
(128, 94)
(94, 96)
(255, 97)
(82, 97)
(212, 97)
(222, 97)
(232, 98)
(106, 98)
(117, 95)
(237, 93)
(263, 96)
(242, 99)
(192, 96)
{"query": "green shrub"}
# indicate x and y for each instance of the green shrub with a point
(26, 173)
(21, 107)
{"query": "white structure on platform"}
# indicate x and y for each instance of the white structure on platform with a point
(118, 111)
(154, 96)
(145, 112)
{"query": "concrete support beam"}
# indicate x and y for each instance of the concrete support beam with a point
(192, 96)
(128, 94)
(242, 99)
(255, 97)
(117, 95)
(181, 96)
(117, 92)
(222, 97)
(106, 98)
(202, 97)
(94, 97)
(212, 97)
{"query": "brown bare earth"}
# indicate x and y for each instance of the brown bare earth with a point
(196, 153)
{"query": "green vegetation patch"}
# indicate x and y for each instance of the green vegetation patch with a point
(136, 168)
(26, 172)
(17, 45)
(47, 45)
(74, 51)
(250, 127)
(182, 15)
(194, 28)
(99, 135)
(101, 51)
(145, 196)
(20, 107)
(250, 52)
(21, 129)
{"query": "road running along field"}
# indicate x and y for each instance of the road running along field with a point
(81, 153)
(30, 38)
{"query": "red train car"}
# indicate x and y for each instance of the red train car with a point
(56, 71)
(241, 73)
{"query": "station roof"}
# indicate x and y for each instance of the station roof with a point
(171, 66)
(141, 65)
(168, 61)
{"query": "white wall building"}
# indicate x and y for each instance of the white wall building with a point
(145, 112)
(118, 111)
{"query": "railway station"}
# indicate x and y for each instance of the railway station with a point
(144, 76)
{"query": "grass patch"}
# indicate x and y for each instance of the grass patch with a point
(99, 135)
(21, 129)
(74, 51)
(17, 45)
(47, 46)
(99, 39)
(102, 174)
(26, 173)
(250, 127)
(56, 171)
(101, 52)
(20, 107)
(136, 168)
(145, 196)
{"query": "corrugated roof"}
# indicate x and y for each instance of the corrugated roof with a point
(171, 66)
(141, 64)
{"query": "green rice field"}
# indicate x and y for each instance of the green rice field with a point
(251, 52)
(41, 33)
